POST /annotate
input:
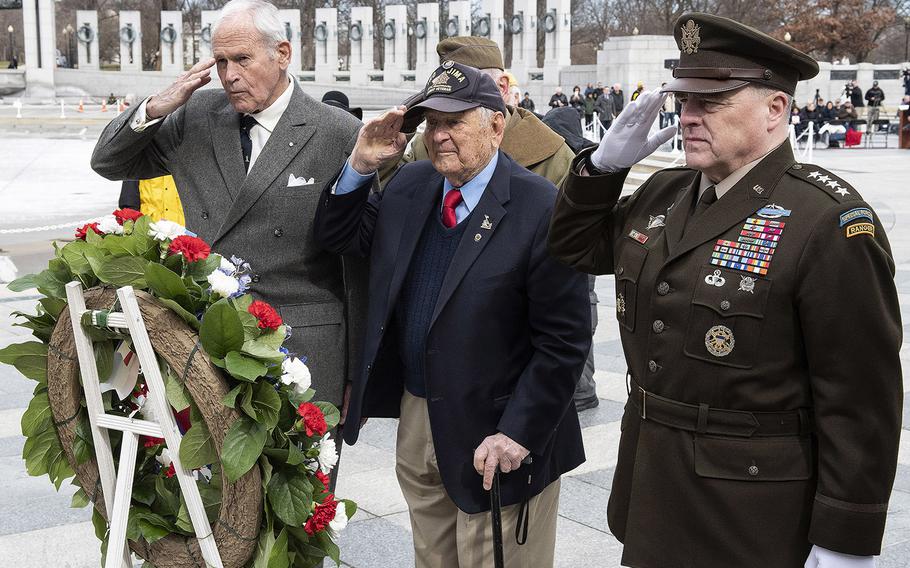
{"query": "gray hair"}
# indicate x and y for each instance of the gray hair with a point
(263, 15)
(764, 91)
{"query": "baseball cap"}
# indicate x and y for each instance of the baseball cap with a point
(454, 88)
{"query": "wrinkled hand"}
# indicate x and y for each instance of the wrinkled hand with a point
(379, 142)
(497, 450)
(172, 98)
(823, 558)
(626, 142)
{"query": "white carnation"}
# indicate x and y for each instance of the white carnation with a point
(296, 374)
(328, 456)
(164, 458)
(341, 518)
(109, 225)
(227, 266)
(223, 284)
(166, 230)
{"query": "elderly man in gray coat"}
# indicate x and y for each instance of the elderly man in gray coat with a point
(249, 161)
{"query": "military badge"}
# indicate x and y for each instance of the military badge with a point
(861, 229)
(620, 304)
(715, 279)
(747, 284)
(690, 38)
(854, 214)
(773, 211)
(656, 221)
(640, 237)
(758, 189)
(486, 224)
(720, 341)
(753, 249)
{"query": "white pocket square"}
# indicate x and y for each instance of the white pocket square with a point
(299, 181)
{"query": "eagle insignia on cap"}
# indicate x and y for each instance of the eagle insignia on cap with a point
(690, 37)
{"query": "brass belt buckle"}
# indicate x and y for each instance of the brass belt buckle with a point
(644, 403)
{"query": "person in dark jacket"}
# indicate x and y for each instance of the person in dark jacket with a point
(558, 99)
(855, 94)
(589, 107)
(478, 337)
(829, 113)
(618, 99)
(577, 101)
(605, 109)
(874, 96)
(526, 102)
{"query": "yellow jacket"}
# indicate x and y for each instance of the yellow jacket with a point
(159, 199)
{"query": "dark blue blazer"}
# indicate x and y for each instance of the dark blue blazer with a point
(509, 335)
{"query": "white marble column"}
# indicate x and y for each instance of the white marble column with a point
(171, 53)
(524, 42)
(427, 25)
(207, 21)
(361, 36)
(130, 53)
(39, 29)
(291, 21)
(87, 38)
(558, 27)
(395, 42)
(459, 20)
(325, 34)
(493, 11)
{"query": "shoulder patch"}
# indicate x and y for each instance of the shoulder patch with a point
(824, 180)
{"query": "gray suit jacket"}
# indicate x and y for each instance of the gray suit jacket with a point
(257, 216)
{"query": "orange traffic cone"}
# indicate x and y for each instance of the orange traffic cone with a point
(81, 107)
(103, 106)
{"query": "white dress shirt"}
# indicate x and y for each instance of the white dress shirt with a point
(266, 119)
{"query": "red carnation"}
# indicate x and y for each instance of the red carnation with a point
(266, 314)
(127, 214)
(322, 516)
(192, 248)
(81, 231)
(324, 479)
(151, 442)
(313, 419)
(170, 471)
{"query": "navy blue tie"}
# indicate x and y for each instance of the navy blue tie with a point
(247, 122)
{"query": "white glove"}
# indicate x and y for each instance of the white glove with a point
(626, 142)
(823, 558)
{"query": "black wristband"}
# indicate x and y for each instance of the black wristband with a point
(591, 168)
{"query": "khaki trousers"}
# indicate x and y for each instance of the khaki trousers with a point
(446, 537)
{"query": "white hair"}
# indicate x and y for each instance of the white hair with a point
(263, 15)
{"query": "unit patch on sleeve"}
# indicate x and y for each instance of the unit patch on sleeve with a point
(861, 229)
(854, 214)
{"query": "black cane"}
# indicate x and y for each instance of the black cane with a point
(496, 513)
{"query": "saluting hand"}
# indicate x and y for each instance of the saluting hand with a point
(495, 451)
(627, 142)
(379, 142)
(176, 95)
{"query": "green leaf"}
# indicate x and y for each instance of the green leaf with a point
(52, 306)
(328, 545)
(221, 331)
(184, 522)
(99, 524)
(37, 416)
(250, 325)
(246, 403)
(22, 284)
(104, 358)
(273, 339)
(166, 284)
(30, 358)
(211, 496)
(74, 255)
(267, 404)
(144, 490)
(83, 444)
(291, 496)
(230, 399)
(123, 271)
(243, 303)
(295, 455)
(264, 548)
(242, 446)
(196, 448)
(262, 351)
(279, 556)
(79, 500)
(243, 367)
(176, 392)
(201, 269)
(167, 502)
(350, 508)
(332, 416)
(39, 450)
(180, 311)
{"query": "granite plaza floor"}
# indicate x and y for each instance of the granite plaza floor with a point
(49, 182)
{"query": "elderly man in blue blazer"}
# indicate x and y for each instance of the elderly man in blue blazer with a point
(475, 335)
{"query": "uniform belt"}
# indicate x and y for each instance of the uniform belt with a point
(702, 419)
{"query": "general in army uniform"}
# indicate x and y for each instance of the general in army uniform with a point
(759, 319)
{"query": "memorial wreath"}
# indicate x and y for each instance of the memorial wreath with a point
(257, 443)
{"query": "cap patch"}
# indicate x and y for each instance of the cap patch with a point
(690, 37)
(449, 81)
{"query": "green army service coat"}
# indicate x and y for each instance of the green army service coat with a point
(778, 299)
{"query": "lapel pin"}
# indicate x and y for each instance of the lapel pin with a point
(477, 238)
(486, 224)
(290, 143)
(758, 189)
